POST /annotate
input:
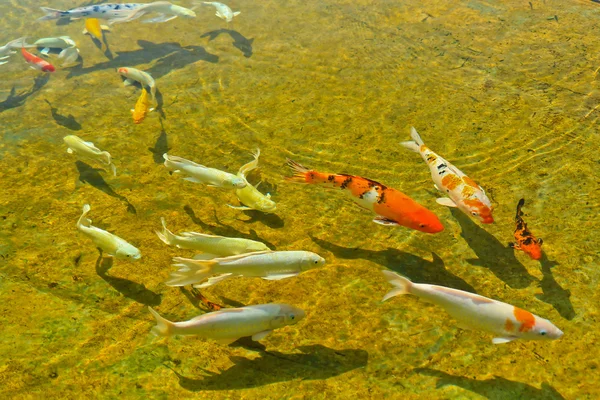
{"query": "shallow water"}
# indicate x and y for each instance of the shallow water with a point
(507, 92)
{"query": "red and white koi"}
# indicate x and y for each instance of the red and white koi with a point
(462, 191)
(36, 62)
(391, 206)
(135, 75)
(477, 312)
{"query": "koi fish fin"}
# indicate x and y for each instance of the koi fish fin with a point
(160, 18)
(299, 171)
(226, 341)
(244, 169)
(402, 285)
(261, 335)
(113, 168)
(276, 277)
(500, 340)
(235, 14)
(83, 220)
(384, 221)
(437, 187)
(128, 82)
(70, 151)
(214, 279)
(52, 13)
(192, 271)
(241, 208)
(166, 235)
(519, 211)
(445, 201)
(163, 327)
(46, 50)
(205, 256)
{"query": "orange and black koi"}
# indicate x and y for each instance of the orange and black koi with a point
(209, 304)
(525, 240)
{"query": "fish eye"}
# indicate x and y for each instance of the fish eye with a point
(316, 261)
(474, 214)
(292, 316)
(543, 333)
(421, 225)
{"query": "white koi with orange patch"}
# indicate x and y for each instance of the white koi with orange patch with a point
(477, 312)
(464, 193)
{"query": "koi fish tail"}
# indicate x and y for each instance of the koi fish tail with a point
(402, 285)
(83, 220)
(18, 43)
(416, 142)
(52, 13)
(519, 212)
(108, 161)
(166, 235)
(299, 170)
(163, 327)
(191, 271)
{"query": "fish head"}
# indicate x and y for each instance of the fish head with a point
(128, 252)
(48, 68)
(287, 315)
(311, 260)
(183, 12)
(543, 330)
(426, 221)
(123, 71)
(237, 183)
(477, 208)
(266, 205)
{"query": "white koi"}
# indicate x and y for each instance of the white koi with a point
(108, 242)
(249, 195)
(165, 10)
(69, 52)
(223, 10)
(463, 192)
(78, 146)
(228, 325)
(477, 312)
(200, 174)
(135, 75)
(269, 265)
(212, 246)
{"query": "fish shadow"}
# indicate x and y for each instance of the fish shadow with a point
(492, 254)
(552, 292)
(496, 388)
(225, 230)
(161, 146)
(132, 290)
(68, 122)
(240, 42)
(416, 268)
(169, 55)
(316, 362)
(90, 175)
(273, 221)
(16, 100)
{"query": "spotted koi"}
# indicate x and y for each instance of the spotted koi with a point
(525, 240)
(391, 206)
(462, 191)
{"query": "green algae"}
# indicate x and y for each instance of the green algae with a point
(501, 90)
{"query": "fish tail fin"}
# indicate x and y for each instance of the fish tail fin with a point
(83, 220)
(166, 235)
(519, 211)
(299, 170)
(416, 142)
(192, 271)
(163, 327)
(402, 285)
(51, 13)
(18, 43)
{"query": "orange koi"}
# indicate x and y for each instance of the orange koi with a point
(391, 206)
(142, 107)
(525, 240)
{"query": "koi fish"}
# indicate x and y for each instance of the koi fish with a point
(94, 29)
(228, 325)
(464, 193)
(135, 75)
(249, 195)
(200, 174)
(102, 11)
(8, 48)
(525, 240)
(69, 51)
(477, 312)
(212, 246)
(223, 10)
(142, 107)
(165, 10)
(87, 150)
(269, 265)
(391, 206)
(209, 304)
(108, 242)
(37, 63)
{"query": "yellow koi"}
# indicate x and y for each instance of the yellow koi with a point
(142, 107)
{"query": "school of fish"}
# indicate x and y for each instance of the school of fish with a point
(221, 258)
